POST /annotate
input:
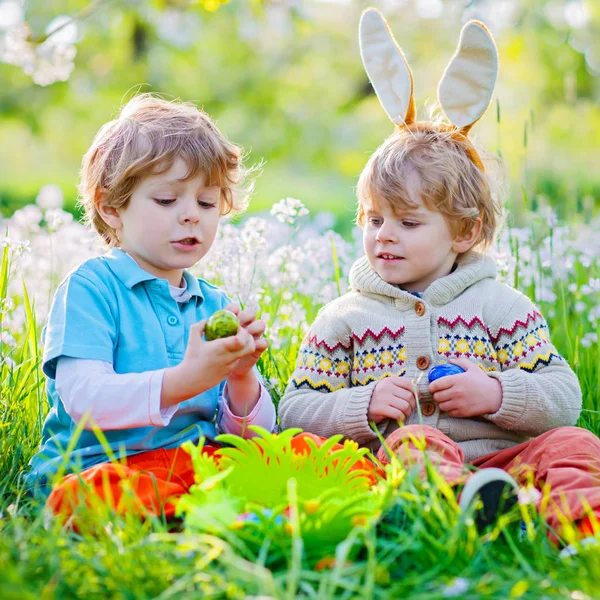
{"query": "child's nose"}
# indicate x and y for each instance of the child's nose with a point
(190, 213)
(386, 233)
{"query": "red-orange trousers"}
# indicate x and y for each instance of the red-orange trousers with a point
(154, 480)
(565, 460)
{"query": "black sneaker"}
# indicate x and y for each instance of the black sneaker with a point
(497, 491)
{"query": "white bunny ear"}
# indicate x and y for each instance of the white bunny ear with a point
(386, 67)
(466, 88)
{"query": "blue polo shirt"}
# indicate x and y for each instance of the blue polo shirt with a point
(110, 309)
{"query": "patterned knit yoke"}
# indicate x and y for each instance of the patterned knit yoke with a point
(377, 330)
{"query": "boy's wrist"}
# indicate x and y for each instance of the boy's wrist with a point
(495, 397)
(243, 393)
(176, 386)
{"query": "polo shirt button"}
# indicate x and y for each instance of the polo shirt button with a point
(423, 362)
(427, 408)
(420, 308)
(172, 320)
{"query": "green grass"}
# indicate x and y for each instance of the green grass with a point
(421, 546)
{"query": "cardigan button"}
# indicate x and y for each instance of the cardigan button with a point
(420, 308)
(423, 363)
(427, 408)
(171, 320)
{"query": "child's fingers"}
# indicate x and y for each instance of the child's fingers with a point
(443, 396)
(402, 382)
(234, 343)
(246, 317)
(402, 404)
(402, 395)
(197, 329)
(244, 343)
(261, 345)
(391, 412)
(257, 328)
(234, 308)
(443, 383)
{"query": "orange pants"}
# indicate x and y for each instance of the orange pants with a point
(566, 460)
(156, 479)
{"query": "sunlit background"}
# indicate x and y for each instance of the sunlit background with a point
(285, 80)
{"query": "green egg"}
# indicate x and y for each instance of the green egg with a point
(221, 324)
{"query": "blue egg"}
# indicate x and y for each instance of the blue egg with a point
(444, 370)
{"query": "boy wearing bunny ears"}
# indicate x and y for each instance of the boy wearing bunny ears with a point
(425, 294)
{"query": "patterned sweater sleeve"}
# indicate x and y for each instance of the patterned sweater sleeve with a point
(320, 398)
(539, 389)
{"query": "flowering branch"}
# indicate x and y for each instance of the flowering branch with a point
(47, 58)
(86, 11)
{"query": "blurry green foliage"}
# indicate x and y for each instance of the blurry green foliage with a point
(285, 80)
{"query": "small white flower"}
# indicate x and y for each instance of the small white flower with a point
(458, 587)
(11, 14)
(529, 495)
(50, 61)
(8, 339)
(288, 210)
(589, 338)
(9, 362)
(28, 218)
(56, 218)
(50, 196)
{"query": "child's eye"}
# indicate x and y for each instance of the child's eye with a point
(206, 204)
(410, 224)
(375, 221)
(164, 201)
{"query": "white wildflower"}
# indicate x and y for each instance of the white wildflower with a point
(11, 14)
(9, 362)
(458, 587)
(288, 210)
(57, 218)
(46, 62)
(529, 495)
(50, 196)
(589, 338)
(8, 339)
(28, 218)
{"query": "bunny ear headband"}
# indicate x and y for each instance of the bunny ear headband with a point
(466, 87)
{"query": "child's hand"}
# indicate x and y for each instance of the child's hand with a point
(254, 328)
(468, 394)
(205, 364)
(392, 398)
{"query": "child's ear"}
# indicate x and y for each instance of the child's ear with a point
(109, 214)
(466, 239)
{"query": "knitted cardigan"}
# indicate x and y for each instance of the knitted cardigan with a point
(377, 330)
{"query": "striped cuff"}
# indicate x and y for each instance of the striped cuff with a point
(355, 420)
(514, 399)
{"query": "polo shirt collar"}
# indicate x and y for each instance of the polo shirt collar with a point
(130, 273)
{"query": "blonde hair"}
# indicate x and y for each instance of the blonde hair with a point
(451, 175)
(145, 139)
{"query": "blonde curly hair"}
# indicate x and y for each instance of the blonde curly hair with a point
(145, 139)
(451, 174)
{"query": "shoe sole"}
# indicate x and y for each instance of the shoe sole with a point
(498, 493)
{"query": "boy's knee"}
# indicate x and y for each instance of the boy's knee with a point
(578, 437)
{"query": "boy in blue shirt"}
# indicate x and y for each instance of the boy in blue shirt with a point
(123, 346)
